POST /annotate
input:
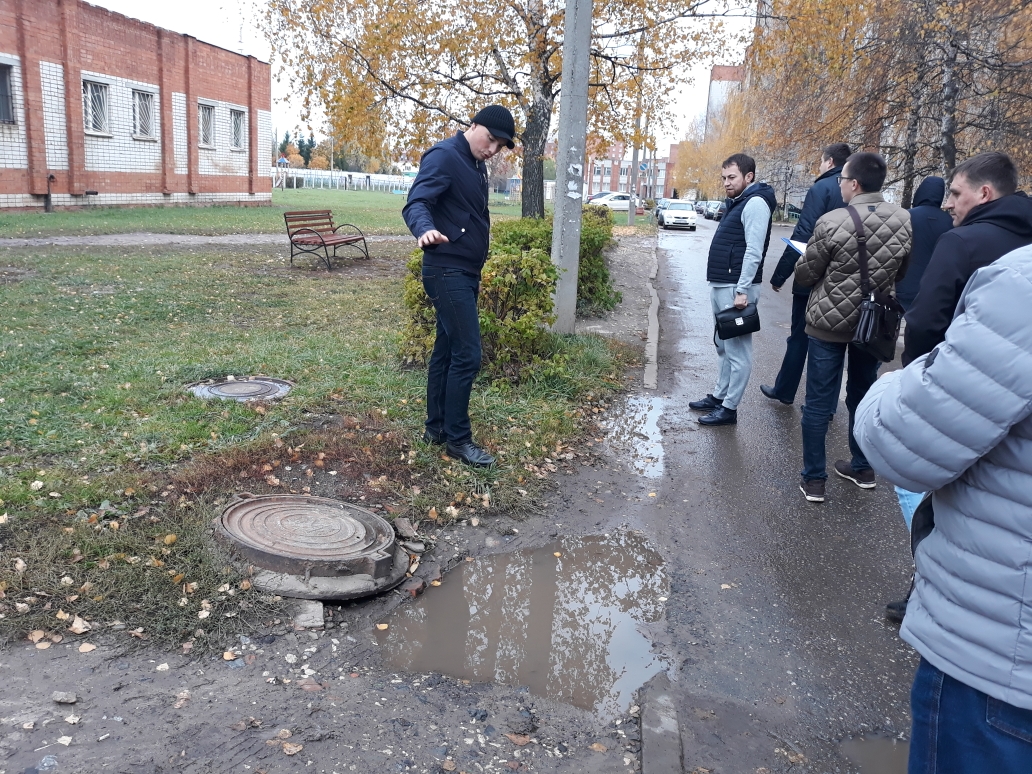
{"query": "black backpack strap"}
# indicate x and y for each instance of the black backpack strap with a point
(861, 241)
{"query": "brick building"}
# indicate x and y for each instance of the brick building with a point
(611, 171)
(112, 111)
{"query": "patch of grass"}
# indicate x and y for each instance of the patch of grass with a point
(372, 211)
(96, 347)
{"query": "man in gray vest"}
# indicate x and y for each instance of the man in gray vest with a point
(734, 271)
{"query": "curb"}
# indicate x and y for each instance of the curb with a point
(661, 750)
(652, 343)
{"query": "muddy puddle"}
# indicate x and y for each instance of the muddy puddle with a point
(565, 626)
(634, 429)
(877, 754)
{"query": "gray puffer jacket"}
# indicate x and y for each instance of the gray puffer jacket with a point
(958, 422)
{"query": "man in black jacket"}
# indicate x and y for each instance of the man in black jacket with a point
(823, 196)
(447, 213)
(991, 218)
(929, 222)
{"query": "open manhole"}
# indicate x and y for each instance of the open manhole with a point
(245, 388)
(312, 547)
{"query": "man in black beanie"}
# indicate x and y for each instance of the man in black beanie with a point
(447, 213)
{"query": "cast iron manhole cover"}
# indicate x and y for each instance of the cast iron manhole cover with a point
(312, 547)
(247, 388)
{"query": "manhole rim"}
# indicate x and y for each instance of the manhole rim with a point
(202, 389)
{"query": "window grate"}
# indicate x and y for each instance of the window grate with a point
(143, 114)
(6, 95)
(95, 106)
(237, 120)
(206, 118)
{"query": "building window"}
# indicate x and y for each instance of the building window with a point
(598, 170)
(95, 107)
(237, 123)
(143, 114)
(607, 172)
(6, 95)
(206, 118)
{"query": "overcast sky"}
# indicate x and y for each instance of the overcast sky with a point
(231, 24)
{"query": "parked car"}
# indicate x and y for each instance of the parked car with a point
(660, 206)
(597, 195)
(618, 202)
(679, 213)
(700, 207)
(711, 210)
(721, 209)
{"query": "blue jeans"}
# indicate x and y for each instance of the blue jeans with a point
(823, 384)
(456, 358)
(908, 502)
(958, 730)
(735, 354)
(787, 383)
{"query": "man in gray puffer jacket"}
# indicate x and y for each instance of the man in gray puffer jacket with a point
(958, 422)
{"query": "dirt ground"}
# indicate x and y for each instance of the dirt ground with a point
(323, 700)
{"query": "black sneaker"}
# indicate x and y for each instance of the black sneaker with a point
(862, 478)
(706, 404)
(471, 454)
(895, 611)
(813, 490)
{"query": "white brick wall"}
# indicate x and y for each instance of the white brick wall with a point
(179, 133)
(121, 152)
(222, 159)
(14, 153)
(112, 200)
(265, 138)
(55, 128)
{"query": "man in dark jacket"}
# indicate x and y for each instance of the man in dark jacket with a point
(823, 196)
(447, 213)
(734, 271)
(990, 219)
(929, 222)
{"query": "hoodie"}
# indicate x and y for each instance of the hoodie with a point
(989, 231)
(929, 222)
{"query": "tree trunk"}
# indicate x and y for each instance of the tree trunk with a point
(534, 137)
(912, 131)
(950, 92)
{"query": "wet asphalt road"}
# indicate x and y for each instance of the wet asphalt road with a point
(775, 613)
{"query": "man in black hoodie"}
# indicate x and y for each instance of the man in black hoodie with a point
(929, 222)
(991, 218)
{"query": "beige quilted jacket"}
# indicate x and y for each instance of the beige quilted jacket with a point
(831, 268)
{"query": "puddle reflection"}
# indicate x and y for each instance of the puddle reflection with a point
(634, 428)
(877, 754)
(566, 626)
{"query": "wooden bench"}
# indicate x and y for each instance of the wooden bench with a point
(312, 231)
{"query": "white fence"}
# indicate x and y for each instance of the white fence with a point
(285, 177)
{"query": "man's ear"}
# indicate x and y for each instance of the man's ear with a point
(753, 177)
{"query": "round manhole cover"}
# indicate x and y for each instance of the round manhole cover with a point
(248, 388)
(310, 536)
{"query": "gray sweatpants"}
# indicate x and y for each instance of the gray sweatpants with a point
(735, 354)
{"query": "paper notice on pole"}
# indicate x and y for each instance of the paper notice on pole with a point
(799, 247)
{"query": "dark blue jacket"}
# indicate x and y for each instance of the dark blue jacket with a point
(989, 231)
(450, 195)
(727, 250)
(929, 222)
(823, 197)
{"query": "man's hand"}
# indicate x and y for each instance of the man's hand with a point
(741, 300)
(431, 237)
(776, 288)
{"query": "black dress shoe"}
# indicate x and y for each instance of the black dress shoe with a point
(471, 454)
(706, 404)
(895, 611)
(430, 438)
(720, 416)
(769, 392)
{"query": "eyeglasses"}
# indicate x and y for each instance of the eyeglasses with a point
(840, 178)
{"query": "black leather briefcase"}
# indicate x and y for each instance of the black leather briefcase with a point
(737, 322)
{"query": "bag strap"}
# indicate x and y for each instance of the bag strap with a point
(861, 243)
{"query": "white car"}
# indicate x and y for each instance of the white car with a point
(679, 213)
(618, 202)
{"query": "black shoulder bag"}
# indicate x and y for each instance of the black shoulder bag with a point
(880, 313)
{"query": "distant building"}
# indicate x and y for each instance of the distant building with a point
(724, 81)
(612, 172)
(98, 108)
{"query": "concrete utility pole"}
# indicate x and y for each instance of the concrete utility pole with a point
(632, 208)
(569, 184)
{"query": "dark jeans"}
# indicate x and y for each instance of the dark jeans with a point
(823, 384)
(787, 383)
(456, 357)
(958, 730)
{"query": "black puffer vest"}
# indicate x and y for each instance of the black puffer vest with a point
(727, 250)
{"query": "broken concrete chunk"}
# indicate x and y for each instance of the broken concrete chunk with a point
(404, 528)
(64, 697)
(307, 614)
(413, 586)
(414, 547)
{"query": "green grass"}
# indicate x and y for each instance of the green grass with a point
(104, 453)
(372, 211)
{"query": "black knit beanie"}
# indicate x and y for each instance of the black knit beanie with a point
(498, 120)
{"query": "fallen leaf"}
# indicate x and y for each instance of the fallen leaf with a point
(56, 638)
(283, 733)
(448, 765)
(597, 747)
(245, 585)
(725, 585)
(292, 749)
(518, 739)
(87, 647)
(43, 645)
(73, 719)
(557, 554)
(170, 539)
(20, 566)
(432, 515)
(202, 614)
(272, 480)
(229, 656)
(435, 583)
(65, 740)
(61, 615)
(474, 522)
(182, 698)
(381, 627)
(161, 668)
(36, 635)
(79, 626)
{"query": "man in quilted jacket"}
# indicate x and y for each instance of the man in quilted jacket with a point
(958, 422)
(831, 268)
